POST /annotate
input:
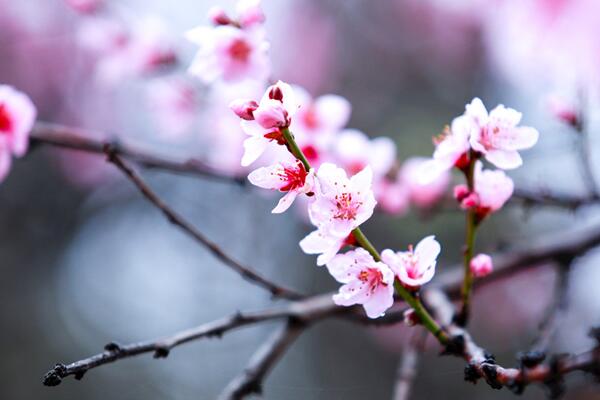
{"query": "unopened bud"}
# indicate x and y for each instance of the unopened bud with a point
(218, 16)
(244, 108)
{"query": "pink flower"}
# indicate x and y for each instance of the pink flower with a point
(414, 268)
(341, 204)
(481, 265)
(492, 189)
(392, 196)
(85, 6)
(17, 115)
(249, 13)
(497, 136)
(317, 123)
(285, 177)
(353, 150)
(229, 53)
(274, 112)
(366, 282)
(564, 111)
(452, 146)
(323, 116)
(325, 244)
(424, 190)
(173, 104)
(244, 108)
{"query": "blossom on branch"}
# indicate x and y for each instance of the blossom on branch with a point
(497, 135)
(353, 150)
(492, 188)
(264, 121)
(325, 244)
(414, 267)
(17, 115)
(481, 265)
(285, 177)
(365, 282)
(341, 203)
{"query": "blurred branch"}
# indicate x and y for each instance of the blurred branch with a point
(251, 379)
(81, 140)
(176, 219)
(407, 368)
(302, 312)
(482, 364)
(562, 249)
(555, 314)
(531, 198)
(584, 150)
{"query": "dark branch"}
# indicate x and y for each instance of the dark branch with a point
(482, 365)
(176, 219)
(305, 312)
(81, 140)
(542, 197)
(251, 379)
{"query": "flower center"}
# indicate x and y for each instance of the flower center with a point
(411, 262)
(346, 208)
(311, 153)
(294, 177)
(372, 276)
(6, 122)
(239, 50)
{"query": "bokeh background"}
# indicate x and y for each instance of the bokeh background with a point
(85, 260)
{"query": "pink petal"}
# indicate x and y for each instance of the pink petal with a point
(505, 159)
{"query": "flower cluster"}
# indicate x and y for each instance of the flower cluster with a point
(231, 50)
(495, 136)
(338, 202)
(17, 115)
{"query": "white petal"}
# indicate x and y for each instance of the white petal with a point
(285, 202)
(253, 148)
(505, 159)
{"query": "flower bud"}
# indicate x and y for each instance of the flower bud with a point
(470, 201)
(271, 114)
(460, 192)
(244, 108)
(218, 16)
(481, 265)
(410, 317)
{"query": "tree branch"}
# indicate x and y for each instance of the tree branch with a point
(482, 364)
(176, 219)
(305, 312)
(407, 368)
(81, 140)
(530, 198)
(251, 379)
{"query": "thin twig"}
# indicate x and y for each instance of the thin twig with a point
(81, 140)
(584, 150)
(542, 197)
(407, 367)
(268, 354)
(176, 219)
(305, 311)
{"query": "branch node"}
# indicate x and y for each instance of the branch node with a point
(471, 373)
(491, 375)
(161, 352)
(530, 359)
(455, 346)
(55, 375)
(113, 347)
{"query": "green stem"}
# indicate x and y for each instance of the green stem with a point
(471, 229)
(294, 149)
(413, 301)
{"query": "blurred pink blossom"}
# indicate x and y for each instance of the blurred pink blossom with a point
(85, 6)
(353, 150)
(414, 268)
(424, 191)
(481, 265)
(17, 115)
(229, 53)
(173, 104)
(365, 282)
(492, 189)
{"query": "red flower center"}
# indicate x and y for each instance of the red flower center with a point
(310, 153)
(372, 276)
(310, 118)
(276, 135)
(6, 122)
(239, 50)
(294, 177)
